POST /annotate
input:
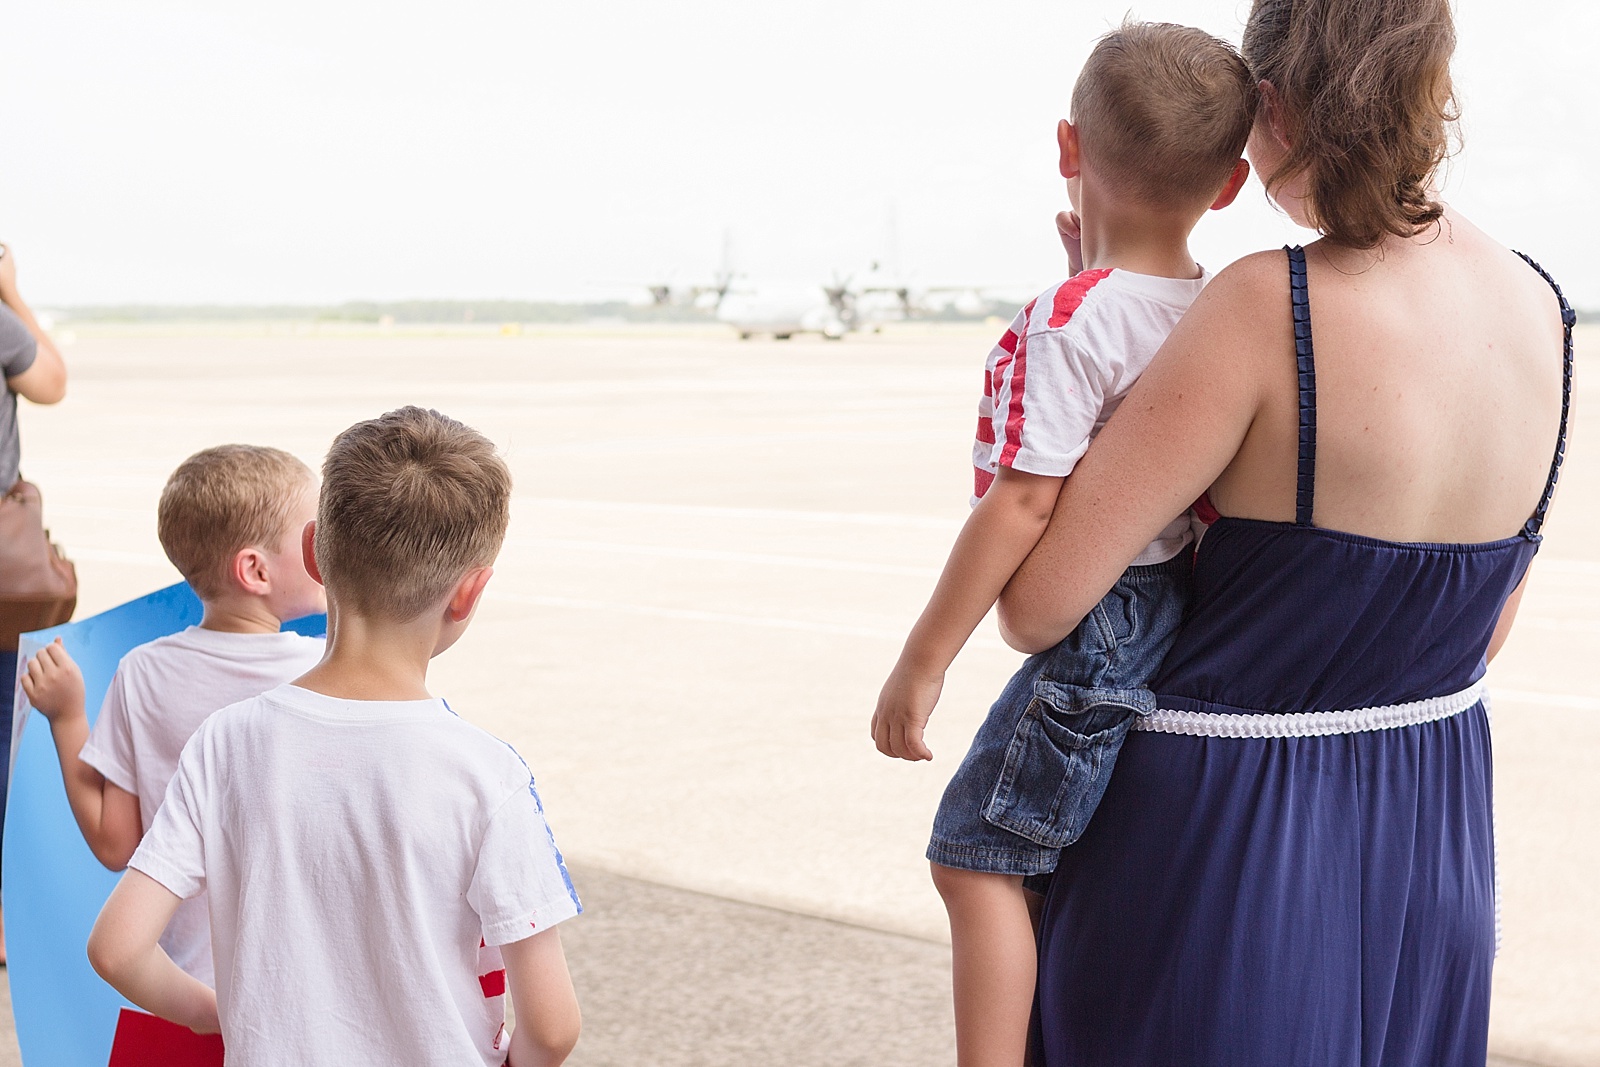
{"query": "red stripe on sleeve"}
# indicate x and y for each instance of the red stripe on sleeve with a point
(1009, 339)
(1019, 381)
(493, 983)
(985, 431)
(981, 481)
(1071, 294)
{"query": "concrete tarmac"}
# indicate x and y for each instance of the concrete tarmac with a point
(716, 549)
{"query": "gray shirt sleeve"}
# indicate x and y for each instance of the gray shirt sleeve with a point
(18, 349)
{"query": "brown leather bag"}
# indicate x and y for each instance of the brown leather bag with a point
(38, 585)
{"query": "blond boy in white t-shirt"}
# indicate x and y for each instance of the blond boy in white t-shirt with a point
(1160, 115)
(361, 845)
(229, 519)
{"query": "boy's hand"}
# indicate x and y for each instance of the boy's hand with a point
(53, 683)
(904, 706)
(1069, 227)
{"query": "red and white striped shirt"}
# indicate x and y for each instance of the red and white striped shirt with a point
(1062, 368)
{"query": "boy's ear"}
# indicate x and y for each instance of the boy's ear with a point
(1236, 180)
(308, 551)
(248, 569)
(1067, 140)
(464, 600)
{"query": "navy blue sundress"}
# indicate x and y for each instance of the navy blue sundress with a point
(1293, 865)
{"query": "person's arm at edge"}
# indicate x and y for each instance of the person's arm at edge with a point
(997, 536)
(546, 1006)
(107, 815)
(45, 382)
(124, 949)
(1178, 429)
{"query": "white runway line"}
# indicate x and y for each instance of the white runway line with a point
(1582, 626)
(116, 555)
(1520, 696)
(1568, 566)
(88, 511)
(768, 622)
(715, 555)
(845, 518)
(1572, 701)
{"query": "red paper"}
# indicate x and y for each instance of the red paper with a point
(145, 1041)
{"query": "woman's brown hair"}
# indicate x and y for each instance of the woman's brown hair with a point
(1365, 96)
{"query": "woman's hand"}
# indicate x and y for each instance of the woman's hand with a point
(8, 274)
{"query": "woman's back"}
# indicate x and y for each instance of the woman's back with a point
(1438, 389)
(1294, 861)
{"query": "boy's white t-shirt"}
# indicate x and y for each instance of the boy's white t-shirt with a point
(161, 693)
(357, 856)
(1063, 367)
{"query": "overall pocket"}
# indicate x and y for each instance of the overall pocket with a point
(1060, 759)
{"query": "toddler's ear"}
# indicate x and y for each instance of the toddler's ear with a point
(1067, 141)
(1236, 180)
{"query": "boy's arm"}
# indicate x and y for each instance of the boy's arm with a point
(997, 537)
(124, 950)
(107, 815)
(546, 1006)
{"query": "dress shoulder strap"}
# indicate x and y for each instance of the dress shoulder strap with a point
(1305, 364)
(1569, 318)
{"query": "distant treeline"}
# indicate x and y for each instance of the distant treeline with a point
(449, 312)
(488, 312)
(400, 312)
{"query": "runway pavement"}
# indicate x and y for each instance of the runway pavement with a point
(716, 548)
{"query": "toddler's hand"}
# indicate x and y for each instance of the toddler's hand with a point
(903, 710)
(1070, 229)
(53, 683)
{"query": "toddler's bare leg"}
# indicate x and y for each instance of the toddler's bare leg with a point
(994, 963)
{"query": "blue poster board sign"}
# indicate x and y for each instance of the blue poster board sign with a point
(52, 885)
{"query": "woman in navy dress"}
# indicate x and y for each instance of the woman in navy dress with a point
(1294, 862)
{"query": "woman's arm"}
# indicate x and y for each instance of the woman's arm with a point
(1177, 430)
(1508, 615)
(45, 382)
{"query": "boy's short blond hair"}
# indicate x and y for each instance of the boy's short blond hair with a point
(410, 502)
(224, 499)
(1163, 111)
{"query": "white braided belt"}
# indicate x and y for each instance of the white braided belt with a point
(1310, 723)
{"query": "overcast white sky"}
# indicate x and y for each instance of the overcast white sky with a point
(322, 150)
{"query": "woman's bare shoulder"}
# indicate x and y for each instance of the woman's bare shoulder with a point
(1257, 283)
(1269, 263)
(1244, 308)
